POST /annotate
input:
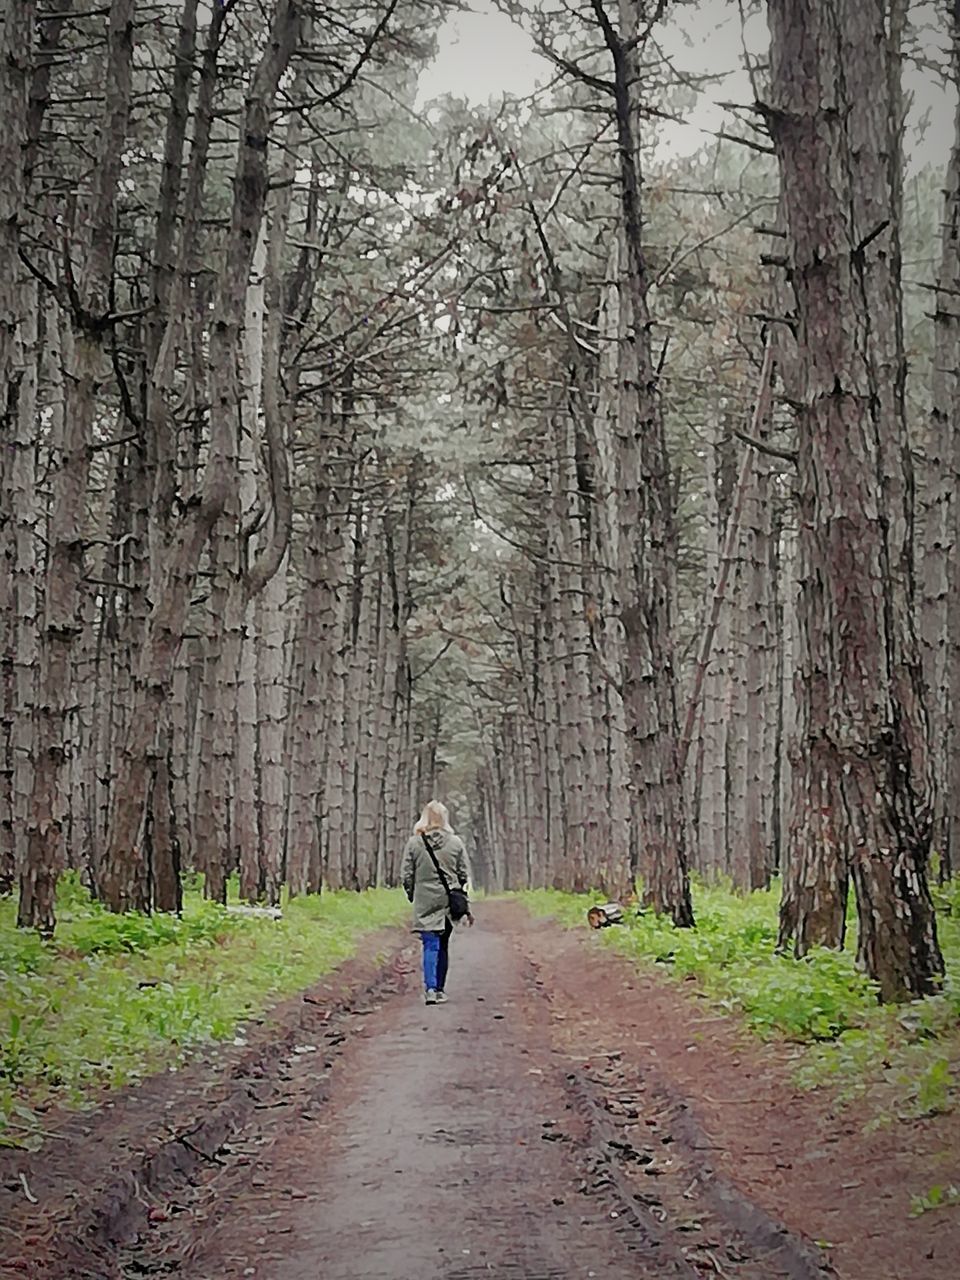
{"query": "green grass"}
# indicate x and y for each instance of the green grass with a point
(907, 1057)
(114, 998)
(937, 1197)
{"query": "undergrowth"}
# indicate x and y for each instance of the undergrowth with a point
(114, 998)
(906, 1056)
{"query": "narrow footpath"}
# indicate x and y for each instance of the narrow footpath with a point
(434, 1159)
(459, 1141)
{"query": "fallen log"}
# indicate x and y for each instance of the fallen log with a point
(263, 913)
(602, 915)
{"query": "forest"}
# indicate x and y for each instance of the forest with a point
(356, 451)
(587, 457)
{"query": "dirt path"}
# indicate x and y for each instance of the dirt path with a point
(460, 1141)
(562, 1116)
(830, 1173)
(432, 1161)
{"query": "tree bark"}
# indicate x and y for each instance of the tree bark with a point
(317, 635)
(861, 800)
(18, 311)
(272, 708)
(21, 500)
(940, 614)
(759, 678)
(713, 662)
(251, 517)
(88, 289)
(178, 565)
(646, 518)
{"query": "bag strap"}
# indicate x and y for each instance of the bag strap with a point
(433, 858)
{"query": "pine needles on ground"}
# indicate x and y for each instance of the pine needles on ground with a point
(907, 1058)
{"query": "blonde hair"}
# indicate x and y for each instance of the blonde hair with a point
(435, 817)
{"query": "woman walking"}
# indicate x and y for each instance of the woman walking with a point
(434, 854)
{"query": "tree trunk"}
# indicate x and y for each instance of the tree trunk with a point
(16, 56)
(941, 577)
(20, 488)
(759, 678)
(183, 709)
(861, 802)
(646, 524)
(63, 583)
(272, 708)
(251, 517)
(165, 892)
(178, 564)
(558, 807)
(18, 321)
(605, 630)
(737, 754)
(714, 664)
(317, 635)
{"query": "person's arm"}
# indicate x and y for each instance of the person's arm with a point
(463, 875)
(408, 871)
(462, 867)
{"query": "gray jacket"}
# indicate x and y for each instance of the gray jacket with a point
(423, 886)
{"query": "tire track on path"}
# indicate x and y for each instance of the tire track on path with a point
(457, 1141)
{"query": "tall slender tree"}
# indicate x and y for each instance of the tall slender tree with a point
(861, 799)
(647, 532)
(85, 317)
(940, 610)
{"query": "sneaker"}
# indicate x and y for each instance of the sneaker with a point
(441, 997)
(431, 996)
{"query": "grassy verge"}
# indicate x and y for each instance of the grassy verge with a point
(114, 998)
(906, 1057)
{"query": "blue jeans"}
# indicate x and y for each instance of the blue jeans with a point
(436, 957)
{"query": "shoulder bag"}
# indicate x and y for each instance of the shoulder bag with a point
(457, 899)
